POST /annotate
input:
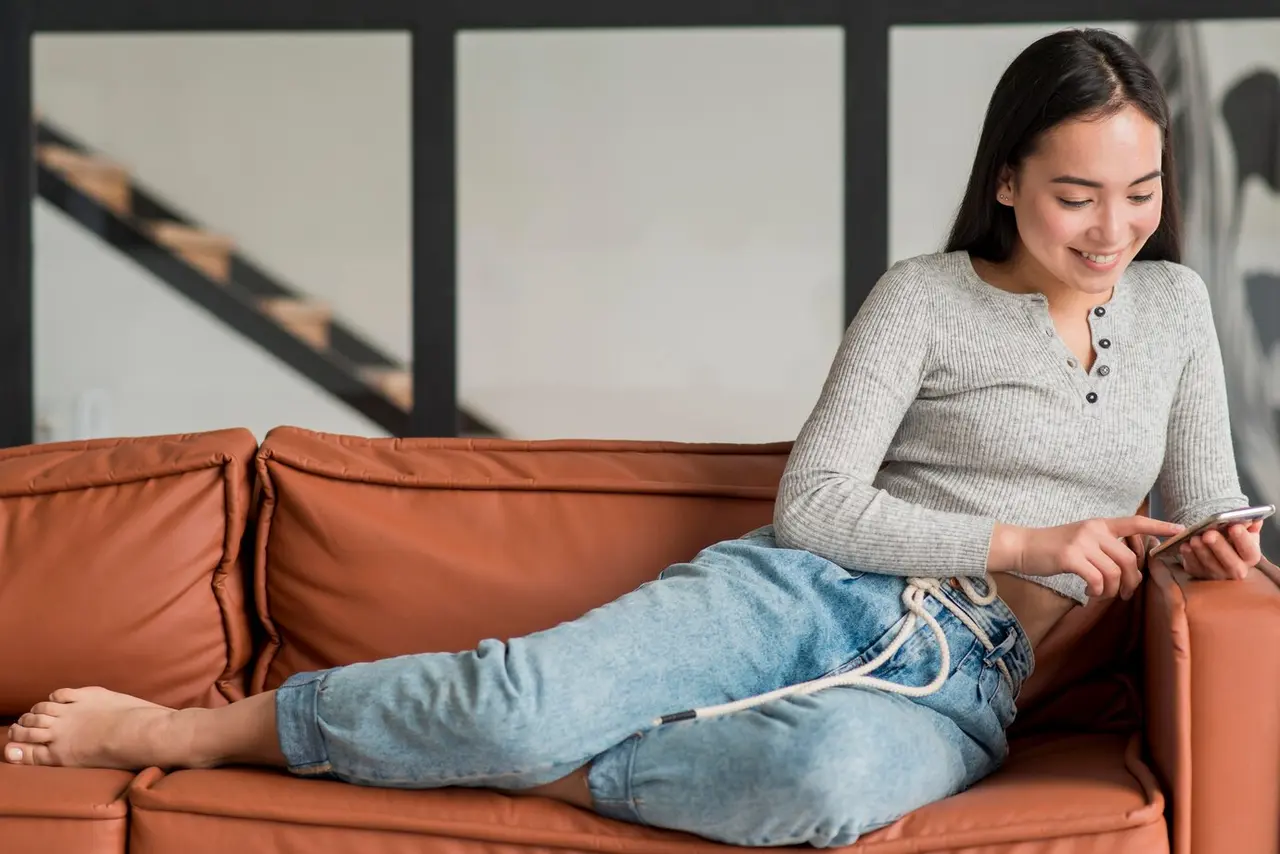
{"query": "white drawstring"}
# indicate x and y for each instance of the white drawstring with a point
(913, 596)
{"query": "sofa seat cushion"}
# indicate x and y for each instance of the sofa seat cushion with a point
(67, 810)
(120, 566)
(372, 548)
(1086, 793)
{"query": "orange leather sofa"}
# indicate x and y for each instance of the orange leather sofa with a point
(192, 570)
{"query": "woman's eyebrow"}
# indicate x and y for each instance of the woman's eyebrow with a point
(1085, 182)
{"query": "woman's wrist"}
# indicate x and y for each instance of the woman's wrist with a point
(1007, 545)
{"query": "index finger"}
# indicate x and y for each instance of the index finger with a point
(1125, 526)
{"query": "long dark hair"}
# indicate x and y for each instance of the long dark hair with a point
(1070, 74)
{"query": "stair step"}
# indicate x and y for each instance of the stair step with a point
(310, 321)
(204, 250)
(395, 383)
(98, 177)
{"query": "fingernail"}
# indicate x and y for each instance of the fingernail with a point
(15, 754)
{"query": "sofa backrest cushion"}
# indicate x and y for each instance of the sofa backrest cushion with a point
(121, 565)
(369, 548)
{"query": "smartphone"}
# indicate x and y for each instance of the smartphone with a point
(1242, 516)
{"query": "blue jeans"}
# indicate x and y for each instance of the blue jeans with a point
(743, 618)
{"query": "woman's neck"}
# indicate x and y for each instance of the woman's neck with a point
(1023, 274)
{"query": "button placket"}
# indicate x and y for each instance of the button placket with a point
(1102, 332)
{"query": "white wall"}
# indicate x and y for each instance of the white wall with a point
(649, 221)
(650, 229)
(109, 333)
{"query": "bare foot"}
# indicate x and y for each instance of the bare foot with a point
(97, 728)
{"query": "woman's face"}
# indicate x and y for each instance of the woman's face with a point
(1089, 197)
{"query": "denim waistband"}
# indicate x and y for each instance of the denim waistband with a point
(1012, 646)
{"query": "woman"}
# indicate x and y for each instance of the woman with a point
(997, 410)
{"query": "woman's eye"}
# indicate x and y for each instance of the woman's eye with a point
(1074, 203)
(1142, 199)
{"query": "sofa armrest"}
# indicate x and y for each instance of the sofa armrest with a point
(1212, 651)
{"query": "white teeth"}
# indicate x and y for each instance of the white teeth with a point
(1099, 259)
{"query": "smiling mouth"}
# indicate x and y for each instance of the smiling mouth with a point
(1099, 259)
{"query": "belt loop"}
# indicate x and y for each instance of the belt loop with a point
(1002, 648)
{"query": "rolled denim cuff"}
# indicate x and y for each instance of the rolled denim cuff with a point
(298, 724)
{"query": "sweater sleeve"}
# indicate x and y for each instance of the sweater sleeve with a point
(1199, 474)
(827, 503)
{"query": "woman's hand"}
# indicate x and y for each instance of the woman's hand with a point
(1094, 549)
(1223, 555)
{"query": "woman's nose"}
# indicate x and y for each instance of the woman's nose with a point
(1111, 225)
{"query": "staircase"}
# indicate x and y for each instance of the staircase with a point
(207, 268)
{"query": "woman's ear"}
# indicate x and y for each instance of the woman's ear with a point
(1005, 187)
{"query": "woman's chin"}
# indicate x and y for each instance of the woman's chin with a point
(1087, 279)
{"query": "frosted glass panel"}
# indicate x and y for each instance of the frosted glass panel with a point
(649, 230)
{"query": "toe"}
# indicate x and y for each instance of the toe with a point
(30, 735)
(31, 719)
(71, 695)
(27, 754)
(48, 710)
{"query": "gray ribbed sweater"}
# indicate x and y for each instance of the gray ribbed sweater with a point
(980, 414)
